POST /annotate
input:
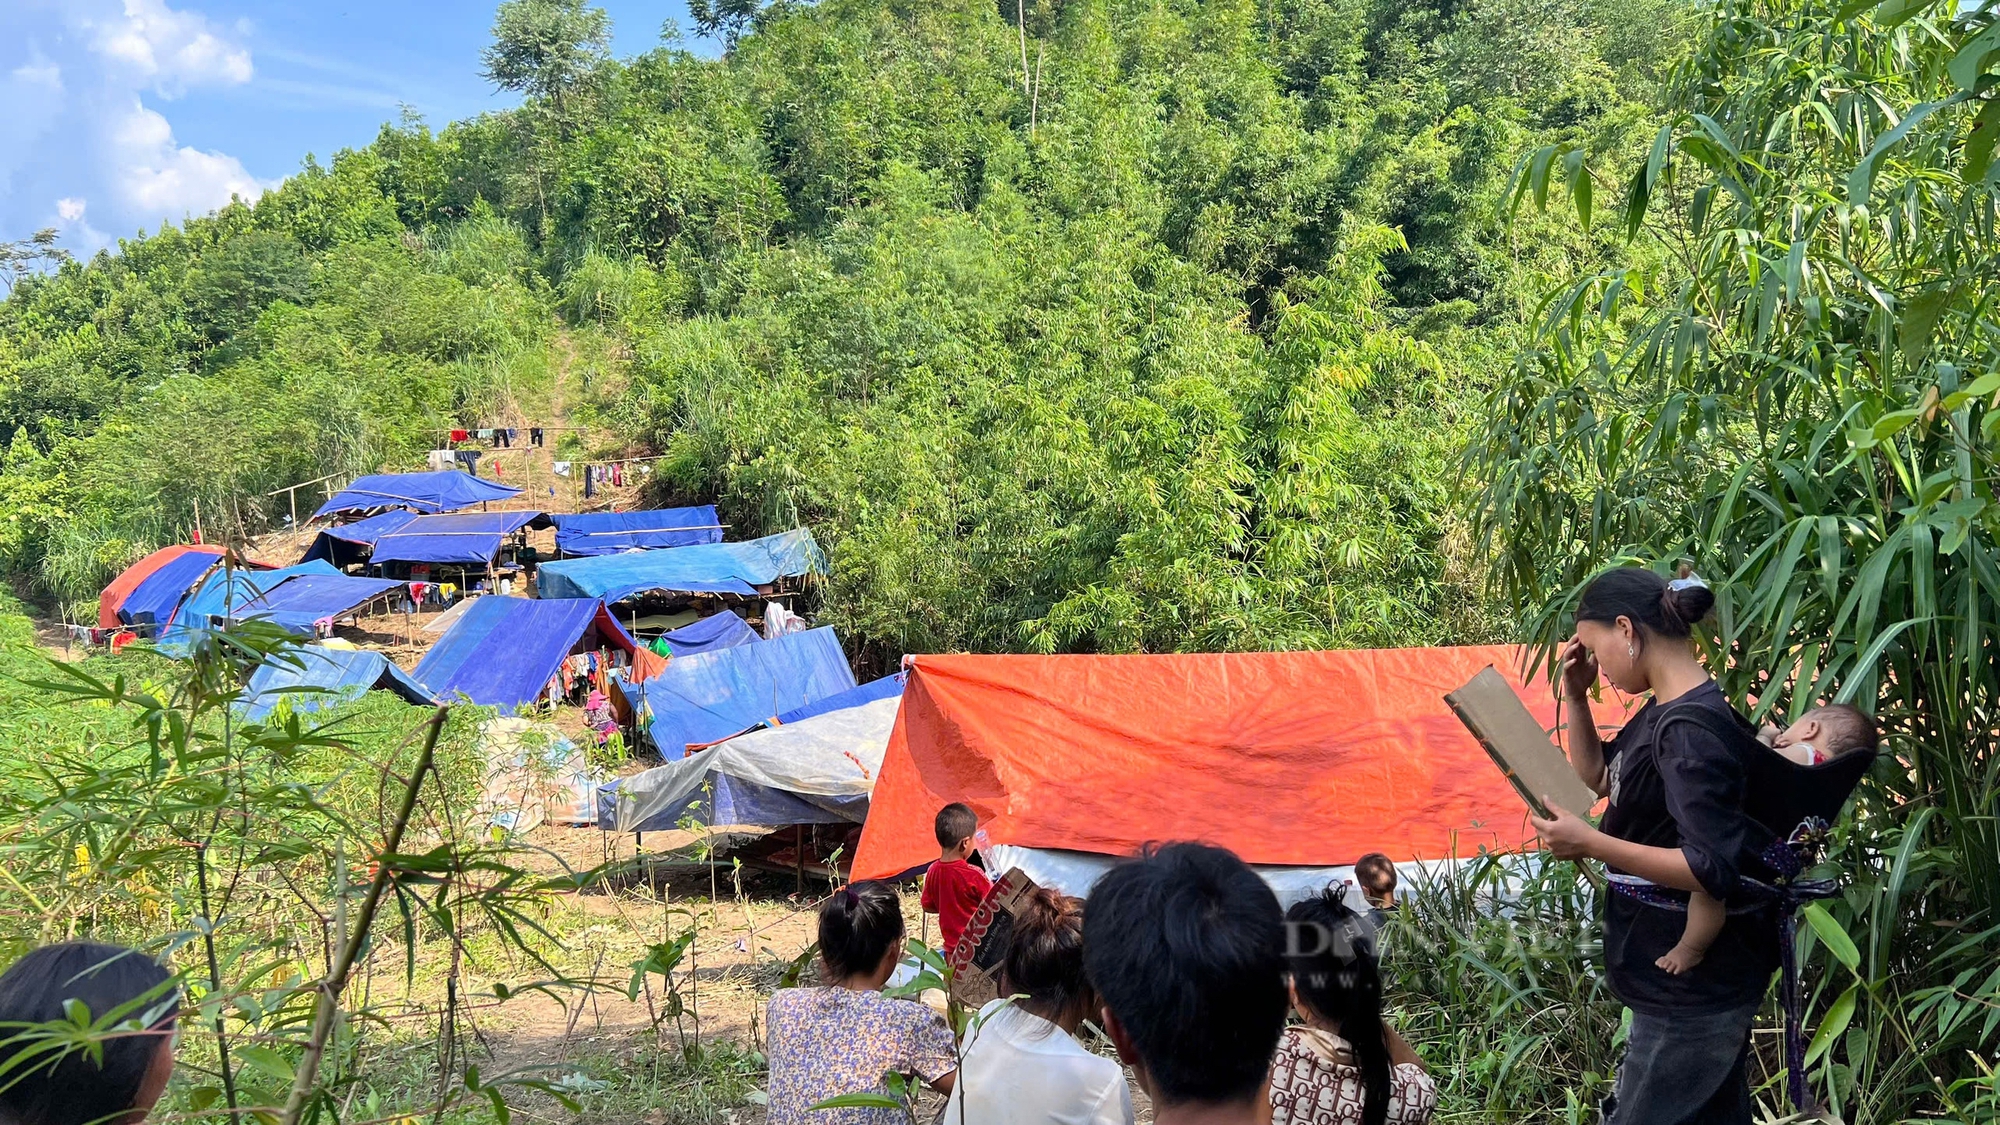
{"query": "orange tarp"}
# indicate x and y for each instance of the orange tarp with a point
(1285, 758)
(122, 586)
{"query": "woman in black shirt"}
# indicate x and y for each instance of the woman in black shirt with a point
(1675, 820)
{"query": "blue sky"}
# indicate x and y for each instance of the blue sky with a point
(117, 115)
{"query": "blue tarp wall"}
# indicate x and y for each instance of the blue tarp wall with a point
(713, 633)
(293, 596)
(349, 543)
(467, 538)
(732, 568)
(853, 697)
(704, 698)
(153, 600)
(336, 674)
(609, 533)
(443, 491)
(501, 651)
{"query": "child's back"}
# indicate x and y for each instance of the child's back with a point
(953, 888)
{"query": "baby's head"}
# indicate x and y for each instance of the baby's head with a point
(1828, 732)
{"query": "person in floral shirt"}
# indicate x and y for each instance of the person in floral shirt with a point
(842, 1037)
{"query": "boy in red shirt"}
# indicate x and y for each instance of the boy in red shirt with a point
(953, 888)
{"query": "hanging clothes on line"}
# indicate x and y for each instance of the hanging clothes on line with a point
(442, 459)
(561, 468)
(486, 435)
(534, 435)
(470, 459)
(589, 483)
(459, 435)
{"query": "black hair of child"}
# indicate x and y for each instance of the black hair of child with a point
(1336, 975)
(1376, 873)
(1044, 961)
(1647, 599)
(1850, 728)
(858, 925)
(72, 1087)
(955, 822)
(1186, 947)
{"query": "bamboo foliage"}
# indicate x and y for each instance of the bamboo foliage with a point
(1803, 403)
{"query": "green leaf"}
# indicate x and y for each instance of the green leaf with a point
(201, 1097)
(1893, 423)
(1833, 1023)
(858, 1101)
(1920, 317)
(1832, 936)
(268, 1061)
(1970, 62)
(1979, 141)
(1580, 186)
(1861, 182)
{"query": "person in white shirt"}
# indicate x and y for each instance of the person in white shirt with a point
(1021, 1063)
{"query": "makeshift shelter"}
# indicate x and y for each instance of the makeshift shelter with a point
(294, 597)
(710, 696)
(713, 633)
(729, 568)
(346, 544)
(444, 491)
(313, 677)
(503, 651)
(816, 771)
(888, 687)
(148, 590)
(1288, 758)
(608, 533)
(463, 539)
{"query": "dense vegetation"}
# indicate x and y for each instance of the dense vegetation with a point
(1168, 340)
(1106, 325)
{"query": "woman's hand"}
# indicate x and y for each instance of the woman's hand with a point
(1579, 669)
(1566, 835)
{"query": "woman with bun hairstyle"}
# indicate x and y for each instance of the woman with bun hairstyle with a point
(843, 1036)
(1344, 1065)
(1675, 820)
(1022, 1062)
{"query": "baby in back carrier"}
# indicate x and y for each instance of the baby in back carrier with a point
(1820, 735)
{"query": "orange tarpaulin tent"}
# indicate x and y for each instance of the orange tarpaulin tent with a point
(1310, 758)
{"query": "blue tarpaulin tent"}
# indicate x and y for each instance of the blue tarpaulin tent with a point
(466, 538)
(502, 651)
(711, 633)
(884, 688)
(348, 543)
(154, 599)
(293, 596)
(732, 568)
(700, 699)
(443, 491)
(820, 770)
(315, 677)
(609, 533)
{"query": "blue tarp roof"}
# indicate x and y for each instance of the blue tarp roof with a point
(608, 533)
(501, 651)
(444, 491)
(733, 568)
(154, 599)
(338, 543)
(292, 596)
(471, 538)
(716, 631)
(853, 697)
(337, 674)
(700, 699)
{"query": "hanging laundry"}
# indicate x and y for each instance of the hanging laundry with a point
(486, 435)
(418, 590)
(470, 459)
(779, 621)
(561, 468)
(513, 435)
(442, 459)
(534, 435)
(589, 483)
(459, 435)
(496, 470)
(618, 475)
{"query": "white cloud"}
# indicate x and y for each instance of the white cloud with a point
(162, 179)
(172, 49)
(39, 71)
(71, 209)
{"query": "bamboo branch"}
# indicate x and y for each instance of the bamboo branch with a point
(336, 978)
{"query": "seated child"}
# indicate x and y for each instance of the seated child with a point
(120, 1081)
(1345, 1065)
(1820, 735)
(953, 888)
(842, 1037)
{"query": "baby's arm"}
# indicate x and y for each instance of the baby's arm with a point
(1705, 918)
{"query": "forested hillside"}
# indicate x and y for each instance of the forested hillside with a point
(1081, 326)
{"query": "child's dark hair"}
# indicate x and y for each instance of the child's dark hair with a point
(1186, 947)
(955, 822)
(1331, 954)
(858, 926)
(1044, 959)
(1850, 730)
(1375, 873)
(1658, 607)
(73, 1087)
